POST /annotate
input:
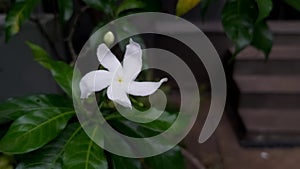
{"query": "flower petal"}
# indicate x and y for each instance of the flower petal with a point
(144, 88)
(94, 81)
(132, 63)
(117, 93)
(107, 58)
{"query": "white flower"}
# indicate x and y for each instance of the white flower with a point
(119, 78)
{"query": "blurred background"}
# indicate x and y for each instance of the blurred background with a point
(260, 127)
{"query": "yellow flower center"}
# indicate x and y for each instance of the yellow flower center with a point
(120, 80)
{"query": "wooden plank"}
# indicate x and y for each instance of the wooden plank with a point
(271, 120)
(268, 84)
(271, 67)
(285, 27)
(286, 39)
(281, 52)
(268, 100)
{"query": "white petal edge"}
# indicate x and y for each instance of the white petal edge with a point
(94, 81)
(144, 88)
(132, 63)
(107, 58)
(117, 94)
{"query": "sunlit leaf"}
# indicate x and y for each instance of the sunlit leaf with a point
(19, 12)
(6, 161)
(183, 6)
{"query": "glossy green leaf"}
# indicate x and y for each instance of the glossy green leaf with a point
(130, 5)
(183, 6)
(170, 159)
(65, 8)
(264, 7)
(13, 108)
(62, 72)
(101, 5)
(238, 19)
(34, 130)
(83, 153)
(294, 3)
(50, 156)
(262, 39)
(161, 124)
(144, 129)
(16, 16)
(119, 162)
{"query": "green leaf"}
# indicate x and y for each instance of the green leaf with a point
(161, 124)
(65, 9)
(263, 39)
(16, 16)
(264, 7)
(130, 5)
(50, 156)
(83, 153)
(13, 108)
(144, 129)
(238, 19)
(119, 162)
(62, 72)
(170, 159)
(183, 6)
(34, 130)
(105, 6)
(294, 3)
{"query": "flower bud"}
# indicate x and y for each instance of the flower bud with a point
(109, 38)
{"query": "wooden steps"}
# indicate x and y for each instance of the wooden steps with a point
(269, 100)
(268, 83)
(269, 120)
(278, 52)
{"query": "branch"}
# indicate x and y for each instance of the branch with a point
(72, 30)
(192, 159)
(45, 34)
